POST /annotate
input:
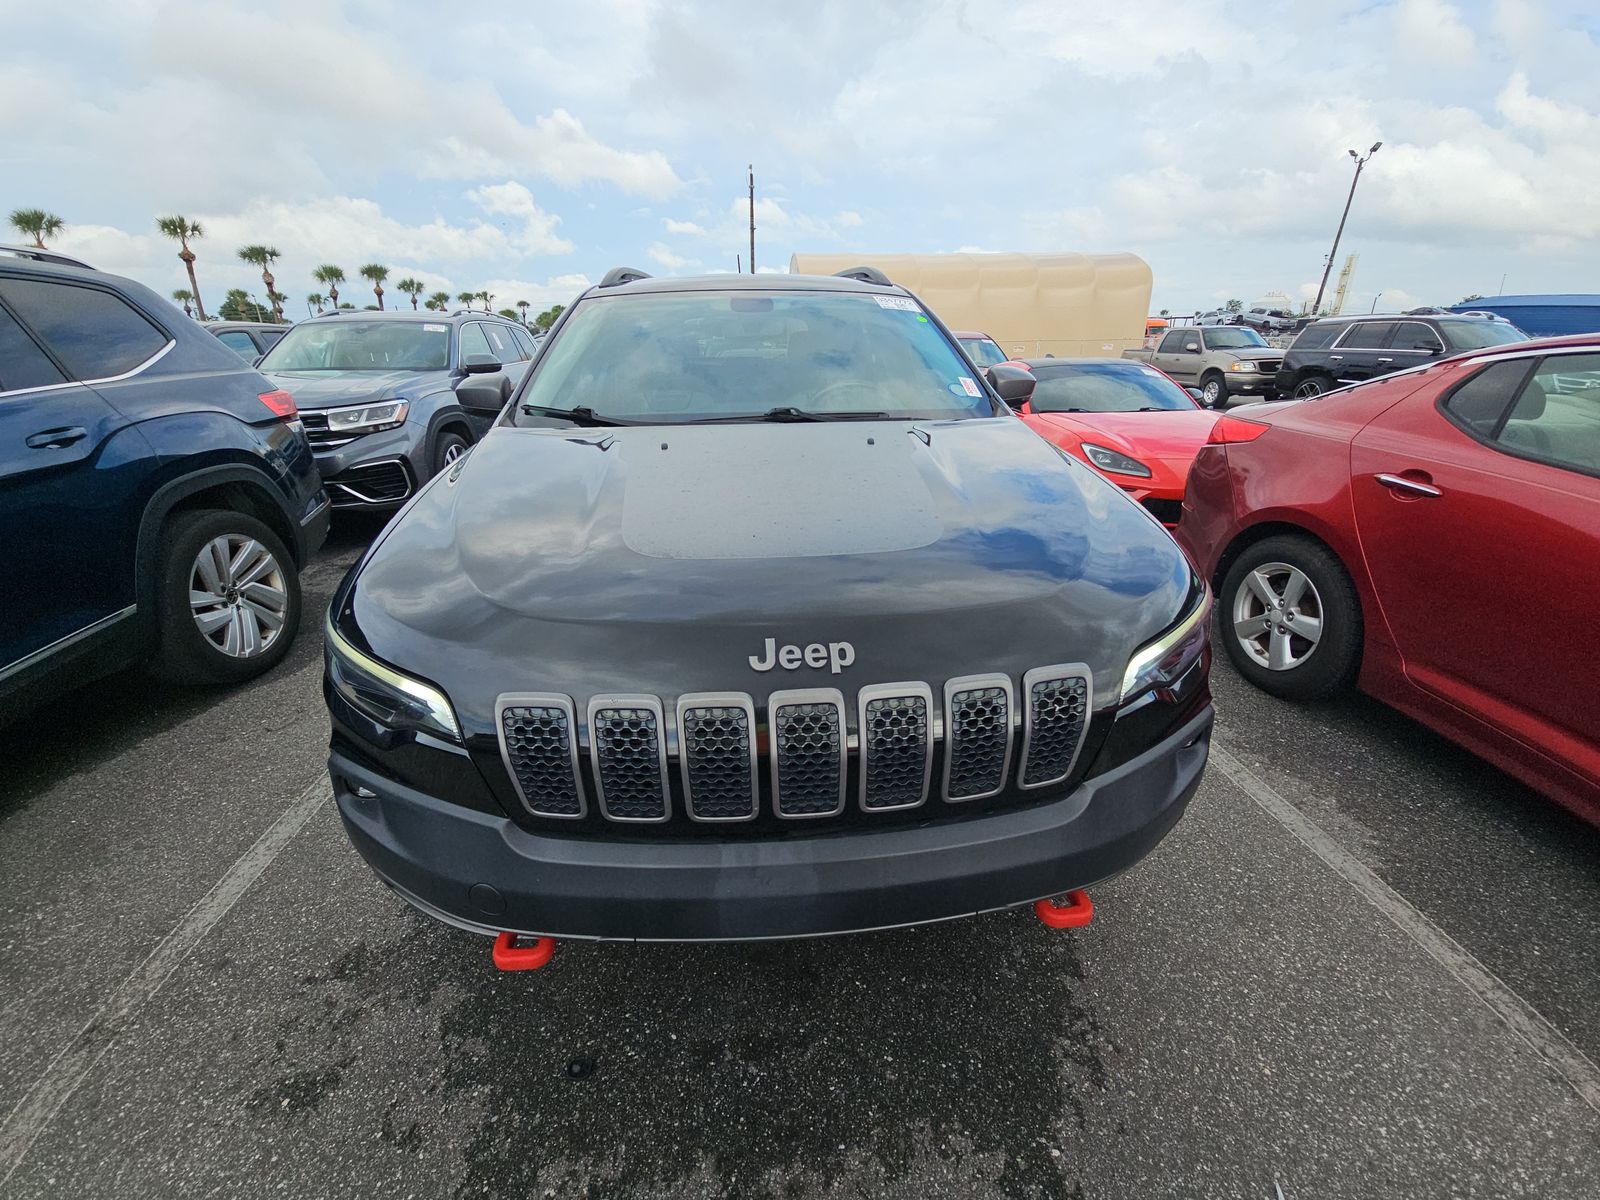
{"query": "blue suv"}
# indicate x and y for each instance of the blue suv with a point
(157, 495)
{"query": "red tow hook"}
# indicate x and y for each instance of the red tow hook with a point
(509, 955)
(1072, 911)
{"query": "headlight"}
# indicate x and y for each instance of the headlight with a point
(1110, 460)
(368, 418)
(393, 700)
(1241, 366)
(1165, 660)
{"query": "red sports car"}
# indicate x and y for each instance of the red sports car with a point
(1433, 536)
(1128, 420)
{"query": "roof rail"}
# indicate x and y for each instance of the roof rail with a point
(44, 256)
(620, 275)
(865, 275)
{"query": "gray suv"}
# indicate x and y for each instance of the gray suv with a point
(378, 393)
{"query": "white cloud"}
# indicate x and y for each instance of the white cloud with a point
(1434, 31)
(689, 227)
(512, 199)
(663, 254)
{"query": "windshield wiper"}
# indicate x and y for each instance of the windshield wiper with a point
(787, 412)
(581, 415)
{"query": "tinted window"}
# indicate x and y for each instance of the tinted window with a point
(1316, 337)
(1105, 387)
(525, 341)
(93, 333)
(1414, 335)
(1476, 334)
(342, 344)
(1368, 335)
(22, 363)
(663, 358)
(1480, 402)
(1557, 415)
(238, 339)
(505, 346)
(1175, 341)
(474, 343)
(270, 337)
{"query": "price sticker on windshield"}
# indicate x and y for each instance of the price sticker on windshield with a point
(969, 387)
(435, 329)
(903, 303)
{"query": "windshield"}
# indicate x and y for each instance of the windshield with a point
(1233, 339)
(1105, 387)
(1475, 334)
(690, 356)
(982, 351)
(338, 344)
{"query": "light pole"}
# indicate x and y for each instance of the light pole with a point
(1374, 307)
(1316, 308)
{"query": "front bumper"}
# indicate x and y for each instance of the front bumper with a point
(377, 470)
(1255, 383)
(486, 874)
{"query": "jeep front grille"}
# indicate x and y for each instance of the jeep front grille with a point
(540, 747)
(808, 752)
(717, 752)
(1058, 717)
(896, 739)
(977, 724)
(629, 757)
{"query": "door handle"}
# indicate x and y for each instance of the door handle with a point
(56, 439)
(1336, 357)
(1399, 483)
(1386, 360)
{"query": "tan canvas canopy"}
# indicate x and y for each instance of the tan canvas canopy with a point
(1032, 304)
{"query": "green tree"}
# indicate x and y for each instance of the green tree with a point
(413, 288)
(467, 298)
(509, 314)
(548, 317)
(376, 273)
(330, 277)
(186, 298)
(487, 300)
(237, 306)
(522, 307)
(314, 300)
(439, 301)
(180, 230)
(264, 257)
(36, 223)
(1234, 306)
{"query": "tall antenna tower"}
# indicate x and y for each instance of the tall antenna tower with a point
(1344, 284)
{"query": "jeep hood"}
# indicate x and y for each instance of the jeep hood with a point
(660, 559)
(331, 389)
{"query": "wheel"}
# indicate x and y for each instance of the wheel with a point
(1290, 617)
(1312, 385)
(448, 449)
(227, 600)
(1213, 391)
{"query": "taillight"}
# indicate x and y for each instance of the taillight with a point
(1228, 430)
(281, 403)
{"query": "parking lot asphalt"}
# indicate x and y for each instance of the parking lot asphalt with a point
(1365, 964)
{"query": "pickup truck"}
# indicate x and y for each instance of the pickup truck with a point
(1220, 360)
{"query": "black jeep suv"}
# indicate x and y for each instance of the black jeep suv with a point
(380, 393)
(157, 495)
(756, 614)
(1336, 351)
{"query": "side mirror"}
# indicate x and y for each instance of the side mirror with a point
(1192, 348)
(486, 396)
(1014, 385)
(481, 364)
(1196, 395)
(256, 361)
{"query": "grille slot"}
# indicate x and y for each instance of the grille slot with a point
(384, 482)
(539, 745)
(629, 755)
(717, 756)
(1056, 702)
(977, 731)
(806, 731)
(894, 723)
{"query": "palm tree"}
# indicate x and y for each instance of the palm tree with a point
(181, 229)
(439, 301)
(522, 307)
(184, 297)
(467, 297)
(36, 223)
(314, 300)
(486, 298)
(331, 277)
(377, 274)
(264, 257)
(413, 288)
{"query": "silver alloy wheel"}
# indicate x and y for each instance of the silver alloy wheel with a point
(1277, 616)
(1212, 392)
(453, 453)
(1307, 389)
(238, 595)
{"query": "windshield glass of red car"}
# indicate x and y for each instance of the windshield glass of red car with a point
(1105, 387)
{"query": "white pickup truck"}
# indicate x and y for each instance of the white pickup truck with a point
(1220, 360)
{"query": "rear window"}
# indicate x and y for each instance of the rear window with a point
(22, 363)
(686, 356)
(1108, 387)
(1368, 335)
(1316, 337)
(95, 334)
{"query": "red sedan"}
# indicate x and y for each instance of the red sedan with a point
(1433, 536)
(1128, 420)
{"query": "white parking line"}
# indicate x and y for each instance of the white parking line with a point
(1547, 1041)
(44, 1099)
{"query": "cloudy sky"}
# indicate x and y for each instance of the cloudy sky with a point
(525, 148)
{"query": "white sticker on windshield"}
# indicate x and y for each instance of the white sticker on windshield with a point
(1152, 371)
(435, 328)
(903, 303)
(969, 387)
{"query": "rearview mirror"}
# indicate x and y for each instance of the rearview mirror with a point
(481, 364)
(1012, 384)
(482, 395)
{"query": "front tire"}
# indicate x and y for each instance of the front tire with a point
(227, 599)
(1213, 391)
(1310, 387)
(448, 448)
(1290, 618)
